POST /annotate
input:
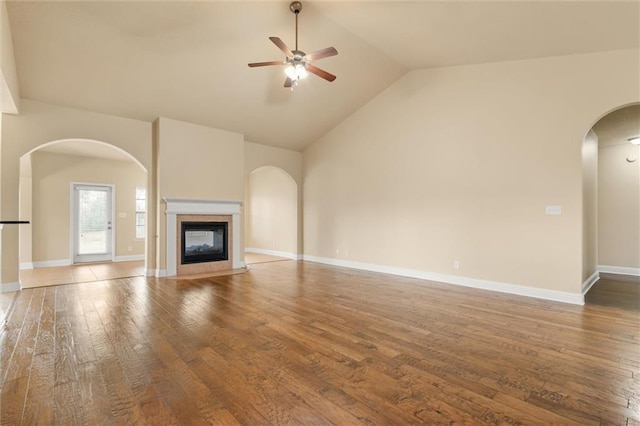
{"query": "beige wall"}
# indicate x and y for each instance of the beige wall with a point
(271, 211)
(38, 124)
(10, 102)
(619, 207)
(199, 162)
(257, 156)
(196, 162)
(589, 205)
(459, 163)
(52, 176)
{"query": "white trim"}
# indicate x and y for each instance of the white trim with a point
(24, 266)
(128, 258)
(176, 206)
(159, 273)
(273, 253)
(50, 263)
(9, 287)
(199, 206)
(586, 286)
(67, 262)
(621, 270)
(539, 293)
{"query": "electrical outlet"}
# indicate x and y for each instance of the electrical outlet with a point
(456, 264)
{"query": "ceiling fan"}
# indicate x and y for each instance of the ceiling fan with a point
(299, 63)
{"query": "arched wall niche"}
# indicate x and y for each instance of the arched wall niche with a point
(271, 212)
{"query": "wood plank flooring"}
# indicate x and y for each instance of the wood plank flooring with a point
(80, 273)
(303, 343)
(251, 258)
(616, 290)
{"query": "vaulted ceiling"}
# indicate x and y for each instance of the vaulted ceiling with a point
(188, 60)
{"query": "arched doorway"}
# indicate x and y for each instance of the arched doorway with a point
(271, 213)
(611, 196)
(619, 191)
(50, 175)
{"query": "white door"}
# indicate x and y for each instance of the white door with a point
(92, 223)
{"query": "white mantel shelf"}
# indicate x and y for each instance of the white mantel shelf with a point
(176, 206)
(198, 206)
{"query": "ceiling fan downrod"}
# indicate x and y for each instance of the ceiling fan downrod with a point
(296, 7)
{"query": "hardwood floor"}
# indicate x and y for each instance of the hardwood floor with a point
(80, 273)
(253, 258)
(616, 290)
(303, 343)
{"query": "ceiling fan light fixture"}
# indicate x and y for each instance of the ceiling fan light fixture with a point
(297, 63)
(296, 72)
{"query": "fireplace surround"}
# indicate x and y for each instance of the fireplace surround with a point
(180, 210)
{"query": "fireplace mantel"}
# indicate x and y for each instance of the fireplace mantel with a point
(180, 206)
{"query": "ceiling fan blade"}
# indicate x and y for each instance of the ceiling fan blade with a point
(288, 82)
(320, 73)
(324, 53)
(281, 46)
(264, 64)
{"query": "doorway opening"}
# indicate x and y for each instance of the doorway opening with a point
(83, 199)
(611, 201)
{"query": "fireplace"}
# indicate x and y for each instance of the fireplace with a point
(204, 242)
(181, 210)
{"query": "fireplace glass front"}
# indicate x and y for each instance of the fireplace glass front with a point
(204, 242)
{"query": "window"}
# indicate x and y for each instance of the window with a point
(141, 212)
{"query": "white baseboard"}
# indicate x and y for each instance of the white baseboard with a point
(50, 263)
(539, 293)
(9, 287)
(274, 253)
(620, 270)
(128, 258)
(67, 262)
(24, 266)
(586, 286)
(158, 273)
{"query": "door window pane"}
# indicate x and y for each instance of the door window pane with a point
(93, 221)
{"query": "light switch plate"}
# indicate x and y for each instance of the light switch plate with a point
(553, 210)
